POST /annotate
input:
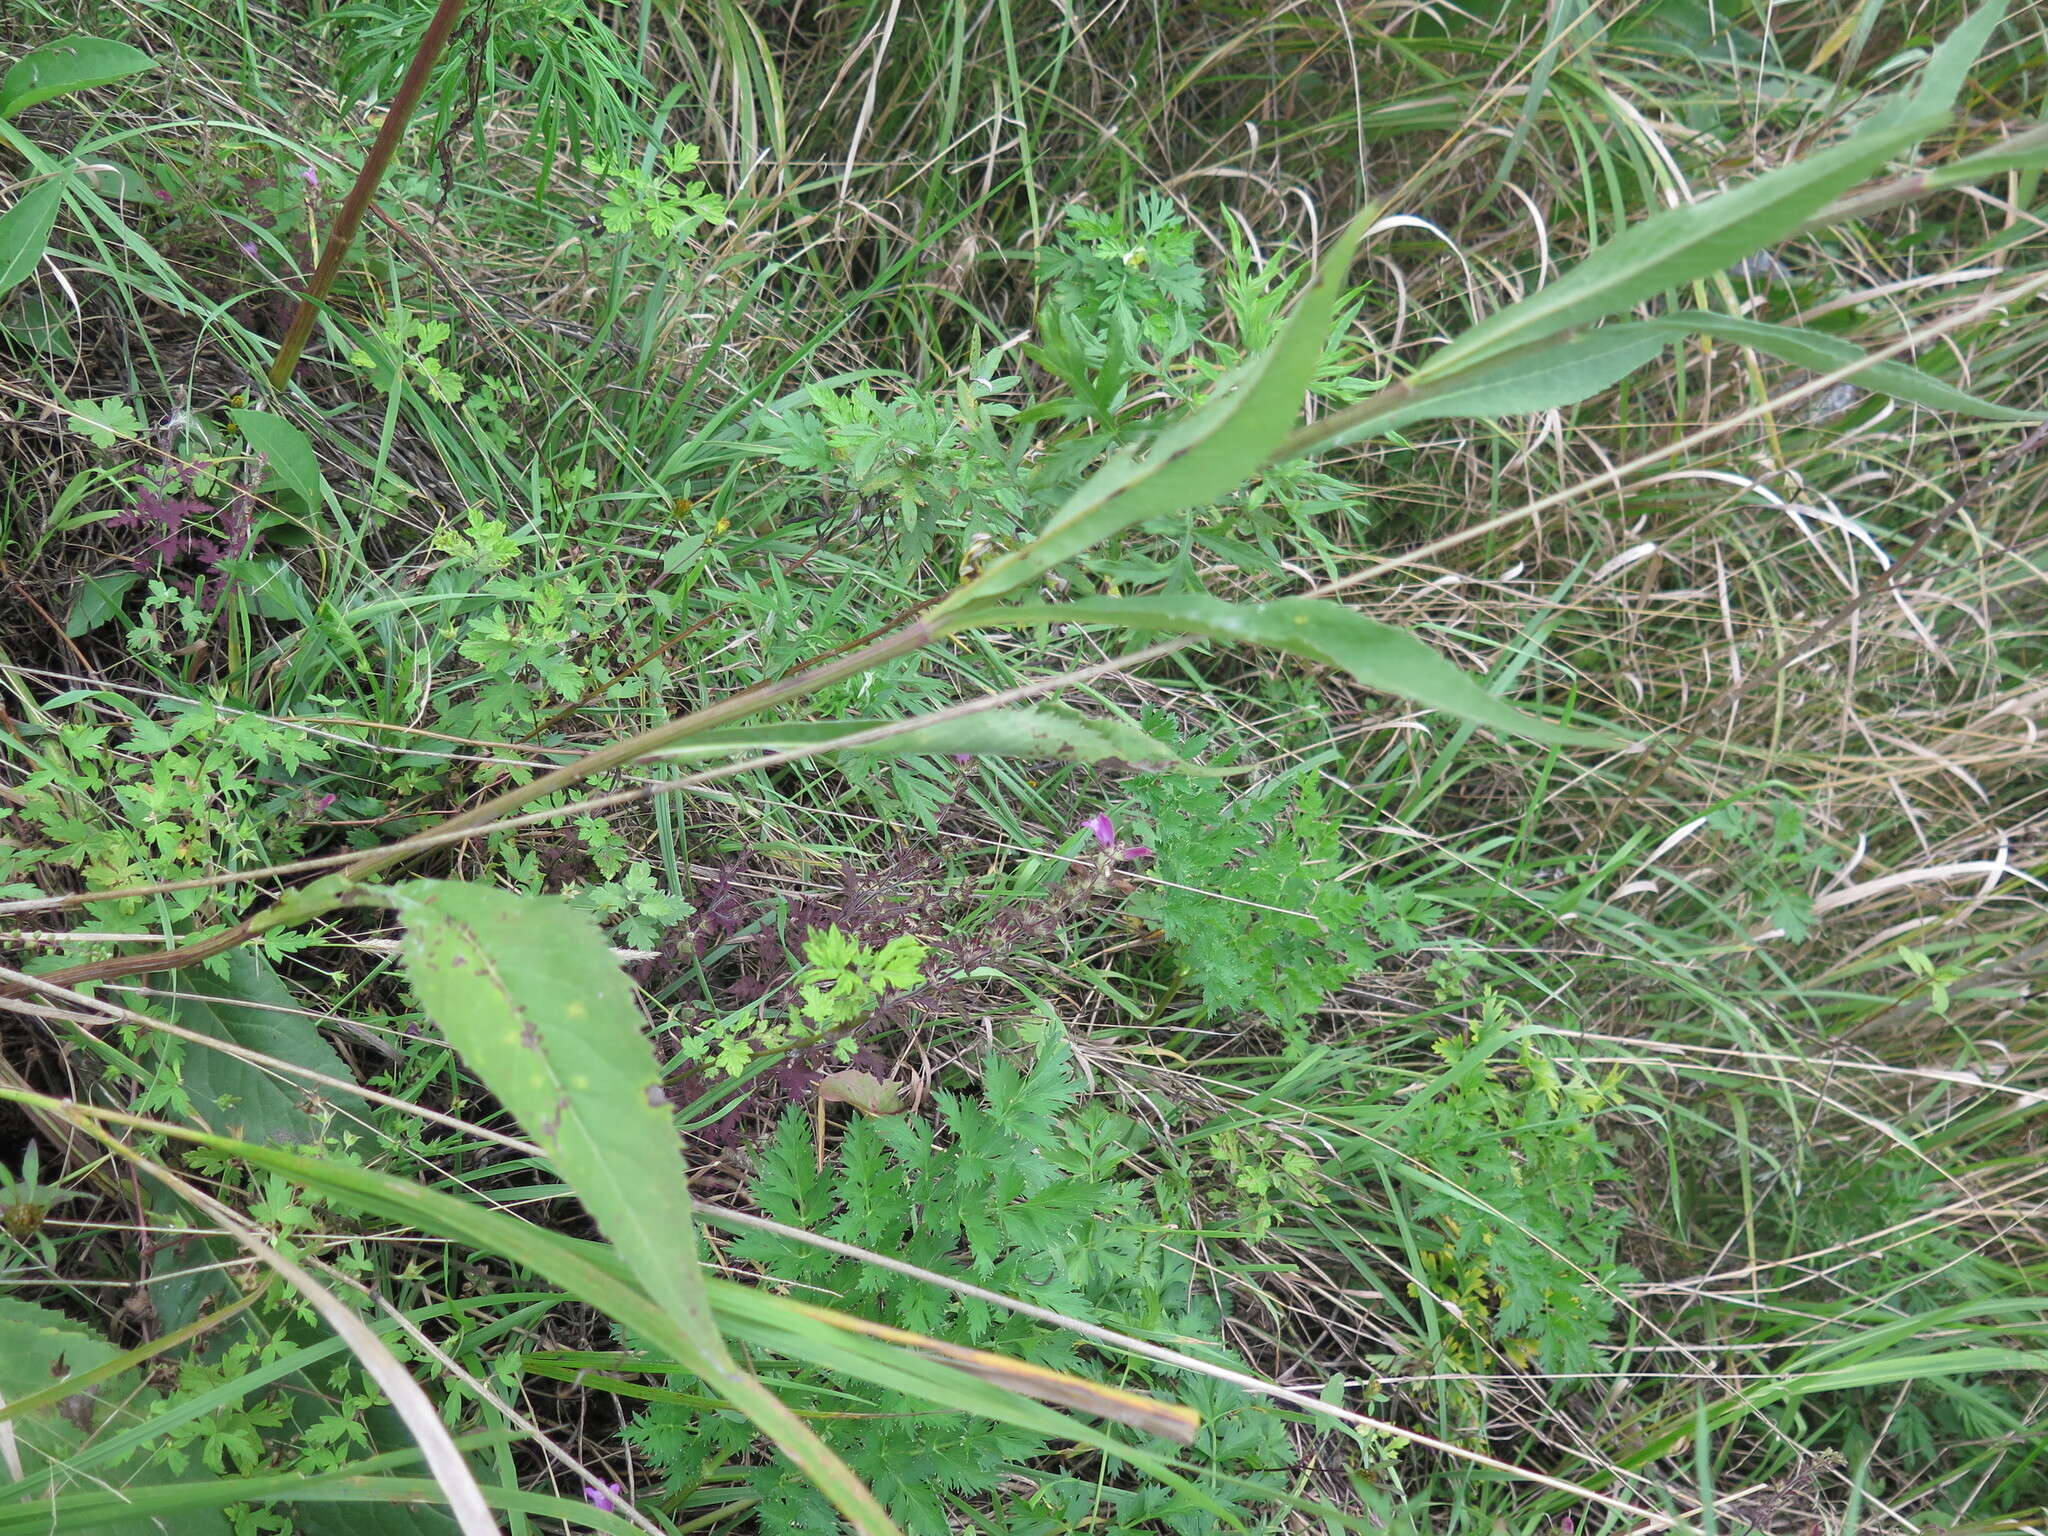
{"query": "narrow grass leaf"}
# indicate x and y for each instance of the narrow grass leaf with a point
(1195, 461)
(525, 988)
(1037, 731)
(1547, 378)
(70, 64)
(1948, 66)
(1378, 655)
(1685, 244)
(1829, 354)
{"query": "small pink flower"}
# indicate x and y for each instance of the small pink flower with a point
(248, 248)
(605, 1498)
(1135, 851)
(963, 758)
(1103, 828)
(310, 177)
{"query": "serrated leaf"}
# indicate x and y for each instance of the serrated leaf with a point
(1038, 731)
(288, 451)
(526, 989)
(25, 230)
(252, 1009)
(39, 1347)
(1826, 354)
(70, 64)
(1378, 655)
(1195, 461)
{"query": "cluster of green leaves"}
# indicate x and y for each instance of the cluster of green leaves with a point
(936, 458)
(1504, 1156)
(1020, 1191)
(188, 792)
(657, 200)
(1121, 285)
(839, 984)
(1256, 901)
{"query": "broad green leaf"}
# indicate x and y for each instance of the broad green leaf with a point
(288, 451)
(97, 600)
(526, 989)
(38, 323)
(1038, 731)
(71, 64)
(1826, 354)
(252, 1009)
(25, 230)
(41, 1349)
(1682, 245)
(1195, 461)
(38, 1347)
(1378, 655)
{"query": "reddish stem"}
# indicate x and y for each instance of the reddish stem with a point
(343, 232)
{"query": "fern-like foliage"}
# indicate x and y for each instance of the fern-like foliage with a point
(1017, 1190)
(1291, 929)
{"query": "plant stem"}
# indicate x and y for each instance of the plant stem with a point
(748, 701)
(342, 233)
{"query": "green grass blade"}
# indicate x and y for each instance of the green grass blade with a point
(1829, 354)
(1547, 378)
(1037, 731)
(1378, 655)
(1686, 244)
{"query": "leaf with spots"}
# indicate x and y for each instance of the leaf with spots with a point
(526, 990)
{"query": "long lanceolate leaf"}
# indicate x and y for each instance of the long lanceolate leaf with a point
(526, 990)
(1686, 244)
(1195, 461)
(1827, 354)
(1575, 368)
(1378, 655)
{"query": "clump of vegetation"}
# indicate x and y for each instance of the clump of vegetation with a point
(1139, 773)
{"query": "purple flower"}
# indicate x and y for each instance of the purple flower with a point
(963, 758)
(603, 1497)
(310, 177)
(1135, 851)
(248, 248)
(1103, 828)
